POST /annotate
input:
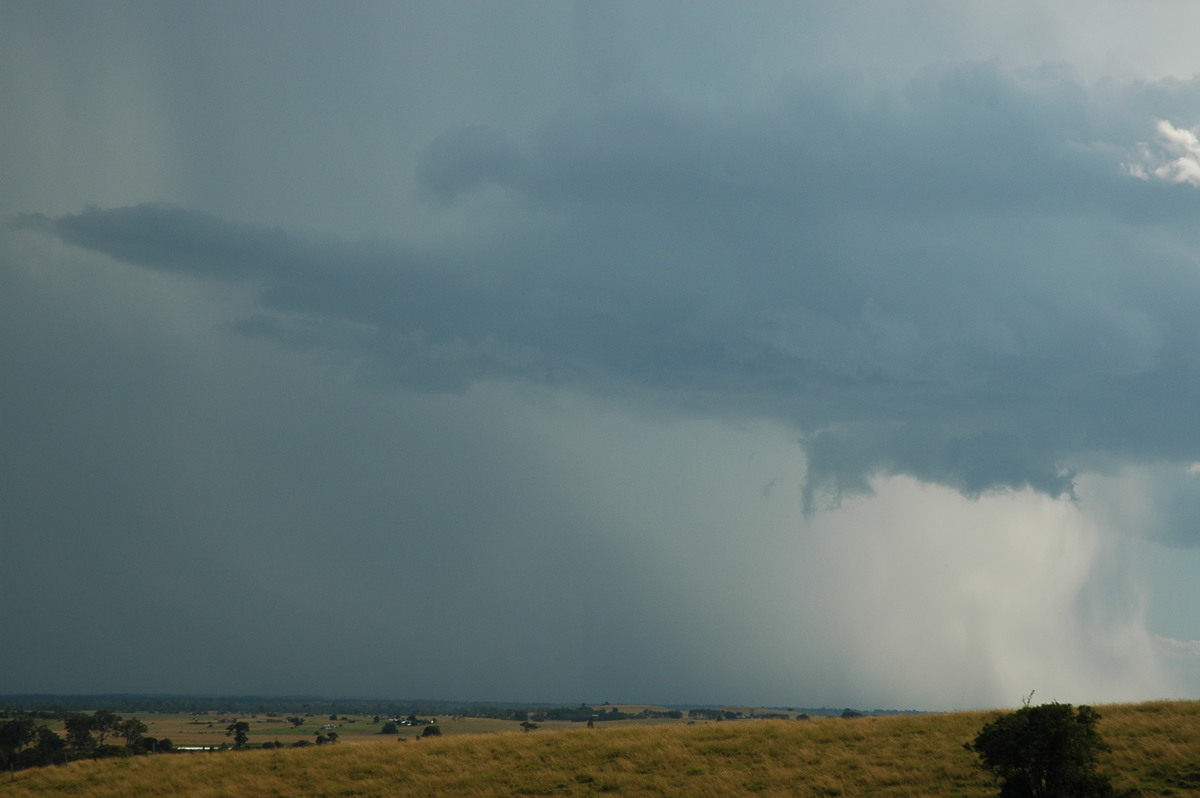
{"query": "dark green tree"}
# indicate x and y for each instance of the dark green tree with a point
(240, 732)
(390, 728)
(431, 731)
(50, 749)
(1046, 751)
(79, 731)
(104, 723)
(132, 730)
(15, 734)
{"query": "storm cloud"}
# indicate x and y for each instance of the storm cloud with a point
(596, 352)
(955, 279)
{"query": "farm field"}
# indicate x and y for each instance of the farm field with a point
(209, 729)
(1156, 747)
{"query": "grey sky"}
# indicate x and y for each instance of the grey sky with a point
(826, 353)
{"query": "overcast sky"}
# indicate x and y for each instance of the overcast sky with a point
(831, 353)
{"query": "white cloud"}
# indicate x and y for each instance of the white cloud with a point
(1182, 655)
(1174, 157)
(1183, 649)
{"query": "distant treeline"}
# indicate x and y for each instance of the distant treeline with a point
(56, 706)
(585, 712)
(50, 706)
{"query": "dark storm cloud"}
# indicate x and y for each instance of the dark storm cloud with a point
(465, 158)
(959, 279)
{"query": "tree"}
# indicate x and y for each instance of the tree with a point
(50, 748)
(154, 745)
(431, 731)
(14, 735)
(79, 731)
(240, 731)
(390, 728)
(104, 723)
(295, 721)
(132, 730)
(1047, 751)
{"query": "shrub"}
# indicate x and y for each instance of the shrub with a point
(1047, 751)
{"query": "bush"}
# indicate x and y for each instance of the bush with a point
(1047, 751)
(431, 731)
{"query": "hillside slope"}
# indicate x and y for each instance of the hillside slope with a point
(1156, 747)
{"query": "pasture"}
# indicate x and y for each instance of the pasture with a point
(1156, 747)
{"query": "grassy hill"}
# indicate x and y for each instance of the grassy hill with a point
(1156, 747)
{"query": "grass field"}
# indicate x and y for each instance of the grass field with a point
(209, 729)
(1156, 747)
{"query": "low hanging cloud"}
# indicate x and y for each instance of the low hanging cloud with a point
(955, 279)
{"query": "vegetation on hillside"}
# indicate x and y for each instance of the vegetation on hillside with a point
(1047, 751)
(1155, 747)
(26, 744)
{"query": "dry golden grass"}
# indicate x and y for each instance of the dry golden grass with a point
(1155, 746)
